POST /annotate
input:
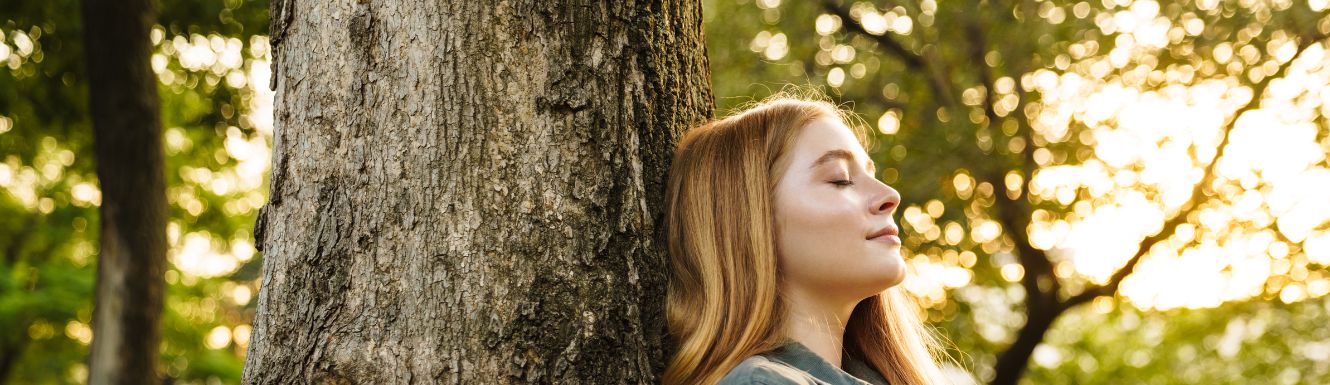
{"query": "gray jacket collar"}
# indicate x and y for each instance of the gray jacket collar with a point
(855, 372)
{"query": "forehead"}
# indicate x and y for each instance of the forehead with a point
(827, 134)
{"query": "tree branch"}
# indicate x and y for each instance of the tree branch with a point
(911, 59)
(1111, 286)
(937, 82)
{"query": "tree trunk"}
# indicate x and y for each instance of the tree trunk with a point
(1012, 363)
(127, 131)
(466, 192)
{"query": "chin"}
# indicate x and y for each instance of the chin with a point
(897, 278)
(894, 274)
(879, 284)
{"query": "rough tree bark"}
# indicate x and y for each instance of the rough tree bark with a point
(127, 135)
(470, 192)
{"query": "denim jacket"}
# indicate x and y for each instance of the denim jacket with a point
(793, 364)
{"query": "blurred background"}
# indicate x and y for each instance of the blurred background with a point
(1173, 157)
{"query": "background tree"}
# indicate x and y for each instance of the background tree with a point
(127, 132)
(205, 58)
(467, 192)
(1070, 144)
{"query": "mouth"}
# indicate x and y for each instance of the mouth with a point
(888, 234)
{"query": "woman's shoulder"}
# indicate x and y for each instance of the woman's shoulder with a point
(759, 370)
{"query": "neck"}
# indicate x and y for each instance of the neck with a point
(818, 323)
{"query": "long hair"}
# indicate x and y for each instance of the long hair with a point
(723, 302)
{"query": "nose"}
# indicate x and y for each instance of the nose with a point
(886, 200)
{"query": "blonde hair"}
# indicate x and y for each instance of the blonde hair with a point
(723, 304)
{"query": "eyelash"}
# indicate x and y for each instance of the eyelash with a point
(842, 183)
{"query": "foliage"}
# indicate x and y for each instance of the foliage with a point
(207, 55)
(1039, 144)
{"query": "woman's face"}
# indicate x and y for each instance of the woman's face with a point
(828, 206)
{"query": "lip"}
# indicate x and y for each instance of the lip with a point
(886, 234)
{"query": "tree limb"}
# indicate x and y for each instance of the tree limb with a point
(911, 59)
(1109, 287)
(938, 82)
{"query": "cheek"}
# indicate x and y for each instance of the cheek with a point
(820, 228)
(821, 246)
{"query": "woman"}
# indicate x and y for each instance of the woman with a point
(785, 257)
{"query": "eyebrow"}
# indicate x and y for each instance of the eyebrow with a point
(841, 154)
